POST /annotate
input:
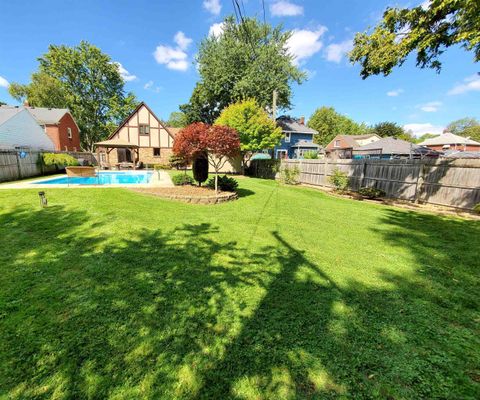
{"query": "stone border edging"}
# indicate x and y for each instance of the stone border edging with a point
(222, 198)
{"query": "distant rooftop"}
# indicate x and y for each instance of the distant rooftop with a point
(44, 116)
(289, 124)
(391, 145)
(448, 138)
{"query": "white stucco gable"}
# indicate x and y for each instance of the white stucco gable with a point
(18, 128)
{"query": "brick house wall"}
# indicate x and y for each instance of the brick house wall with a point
(58, 133)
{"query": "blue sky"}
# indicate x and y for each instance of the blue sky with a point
(156, 41)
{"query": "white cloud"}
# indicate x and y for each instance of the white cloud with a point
(126, 76)
(471, 83)
(181, 40)
(336, 51)
(212, 6)
(283, 8)
(394, 93)
(150, 86)
(430, 107)
(3, 82)
(174, 57)
(304, 43)
(420, 129)
(216, 30)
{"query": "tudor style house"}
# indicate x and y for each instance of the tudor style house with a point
(144, 129)
(297, 140)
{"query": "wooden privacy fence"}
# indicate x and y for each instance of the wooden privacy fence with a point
(454, 183)
(18, 164)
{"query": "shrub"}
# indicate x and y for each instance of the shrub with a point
(339, 180)
(157, 167)
(177, 162)
(182, 179)
(371, 192)
(476, 209)
(289, 176)
(266, 169)
(310, 155)
(60, 160)
(200, 170)
(225, 183)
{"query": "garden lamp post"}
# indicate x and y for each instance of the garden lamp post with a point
(43, 199)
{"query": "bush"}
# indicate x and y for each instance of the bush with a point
(266, 169)
(289, 176)
(339, 180)
(177, 162)
(182, 179)
(371, 192)
(310, 155)
(200, 169)
(225, 183)
(60, 160)
(476, 209)
(158, 167)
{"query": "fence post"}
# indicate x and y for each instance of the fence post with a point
(362, 176)
(19, 168)
(419, 183)
(325, 175)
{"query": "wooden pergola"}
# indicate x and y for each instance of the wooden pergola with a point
(109, 145)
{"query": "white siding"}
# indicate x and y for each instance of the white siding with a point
(22, 130)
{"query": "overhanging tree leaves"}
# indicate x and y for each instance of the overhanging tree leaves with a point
(248, 60)
(84, 80)
(427, 29)
(256, 130)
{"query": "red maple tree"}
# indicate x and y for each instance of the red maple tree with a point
(221, 143)
(190, 141)
(218, 142)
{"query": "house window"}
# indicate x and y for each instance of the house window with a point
(156, 151)
(287, 137)
(281, 154)
(69, 133)
(337, 143)
(144, 129)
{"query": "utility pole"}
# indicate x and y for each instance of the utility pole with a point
(274, 105)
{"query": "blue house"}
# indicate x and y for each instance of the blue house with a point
(297, 140)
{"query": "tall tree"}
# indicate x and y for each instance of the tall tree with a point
(392, 129)
(84, 80)
(330, 123)
(43, 91)
(459, 126)
(427, 29)
(247, 60)
(256, 130)
(177, 119)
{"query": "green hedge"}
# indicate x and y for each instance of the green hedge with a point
(266, 169)
(60, 160)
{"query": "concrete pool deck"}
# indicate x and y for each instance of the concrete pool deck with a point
(159, 178)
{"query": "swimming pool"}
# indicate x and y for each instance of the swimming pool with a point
(102, 178)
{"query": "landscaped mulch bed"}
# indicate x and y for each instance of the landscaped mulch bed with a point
(190, 194)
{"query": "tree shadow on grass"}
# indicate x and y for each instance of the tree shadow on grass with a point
(178, 314)
(244, 192)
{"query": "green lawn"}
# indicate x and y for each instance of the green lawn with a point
(286, 293)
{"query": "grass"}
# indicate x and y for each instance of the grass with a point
(287, 293)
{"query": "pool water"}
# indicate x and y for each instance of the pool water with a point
(102, 178)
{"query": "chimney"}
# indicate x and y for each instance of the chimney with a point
(301, 120)
(26, 103)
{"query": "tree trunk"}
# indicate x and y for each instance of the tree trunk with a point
(216, 182)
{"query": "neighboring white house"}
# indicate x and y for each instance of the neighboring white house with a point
(19, 129)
